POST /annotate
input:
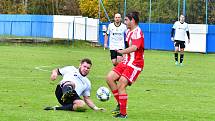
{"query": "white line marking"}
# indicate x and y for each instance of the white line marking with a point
(41, 68)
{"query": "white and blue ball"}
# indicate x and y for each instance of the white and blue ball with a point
(103, 94)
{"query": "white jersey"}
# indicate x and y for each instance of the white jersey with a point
(180, 30)
(116, 36)
(82, 83)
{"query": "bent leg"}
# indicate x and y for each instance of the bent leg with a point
(79, 106)
(111, 80)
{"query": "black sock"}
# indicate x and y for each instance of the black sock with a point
(181, 58)
(176, 56)
(65, 107)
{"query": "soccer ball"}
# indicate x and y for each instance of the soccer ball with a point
(103, 94)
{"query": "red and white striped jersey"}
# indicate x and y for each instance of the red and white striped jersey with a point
(135, 59)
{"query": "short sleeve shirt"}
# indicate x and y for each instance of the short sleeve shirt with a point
(82, 83)
(116, 36)
(180, 30)
(135, 59)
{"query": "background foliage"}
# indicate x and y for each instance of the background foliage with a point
(163, 11)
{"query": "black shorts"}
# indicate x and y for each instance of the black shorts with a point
(114, 54)
(178, 43)
(59, 94)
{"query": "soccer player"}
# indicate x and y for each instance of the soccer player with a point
(127, 71)
(116, 32)
(73, 85)
(179, 31)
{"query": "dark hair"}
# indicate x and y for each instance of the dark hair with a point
(87, 60)
(134, 15)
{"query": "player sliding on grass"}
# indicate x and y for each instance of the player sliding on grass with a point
(127, 71)
(178, 34)
(73, 85)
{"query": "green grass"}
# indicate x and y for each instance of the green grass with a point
(163, 91)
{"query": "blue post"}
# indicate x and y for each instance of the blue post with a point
(11, 27)
(125, 8)
(150, 12)
(85, 36)
(179, 8)
(184, 7)
(206, 22)
(73, 30)
(69, 33)
(105, 10)
(99, 10)
(206, 12)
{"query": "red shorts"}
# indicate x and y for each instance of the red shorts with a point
(128, 72)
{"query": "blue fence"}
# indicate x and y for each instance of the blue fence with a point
(26, 25)
(157, 36)
(211, 39)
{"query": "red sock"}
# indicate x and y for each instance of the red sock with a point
(123, 103)
(116, 95)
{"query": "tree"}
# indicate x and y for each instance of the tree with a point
(163, 11)
(90, 8)
(12, 7)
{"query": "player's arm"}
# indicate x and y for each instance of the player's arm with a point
(136, 43)
(172, 34)
(188, 35)
(90, 103)
(128, 50)
(54, 74)
(106, 37)
(105, 40)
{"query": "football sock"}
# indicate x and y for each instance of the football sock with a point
(65, 107)
(116, 95)
(181, 58)
(123, 103)
(176, 56)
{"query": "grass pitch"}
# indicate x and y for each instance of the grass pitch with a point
(163, 91)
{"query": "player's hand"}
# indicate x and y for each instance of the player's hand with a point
(118, 51)
(105, 46)
(172, 39)
(188, 41)
(99, 109)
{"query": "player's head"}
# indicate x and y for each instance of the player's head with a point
(182, 18)
(85, 66)
(117, 18)
(132, 19)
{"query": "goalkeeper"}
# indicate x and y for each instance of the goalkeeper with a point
(73, 85)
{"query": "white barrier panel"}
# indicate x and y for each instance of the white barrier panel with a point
(197, 38)
(84, 28)
(92, 29)
(79, 28)
(63, 26)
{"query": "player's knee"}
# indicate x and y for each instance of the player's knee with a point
(122, 84)
(79, 105)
